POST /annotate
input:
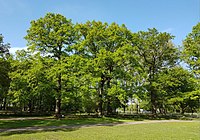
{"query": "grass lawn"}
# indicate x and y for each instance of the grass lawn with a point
(151, 131)
(17, 122)
(53, 122)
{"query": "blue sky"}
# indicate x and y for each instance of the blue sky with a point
(174, 16)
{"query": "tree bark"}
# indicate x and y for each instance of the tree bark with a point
(109, 108)
(182, 108)
(30, 108)
(152, 90)
(124, 108)
(100, 105)
(59, 82)
(58, 99)
(153, 103)
(4, 103)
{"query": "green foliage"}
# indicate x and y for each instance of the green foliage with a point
(98, 67)
(52, 36)
(4, 48)
(30, 87)
(191, 55)
(4, 70)
(178, 88)
(103, 47)
(157, 53)
(191, 49)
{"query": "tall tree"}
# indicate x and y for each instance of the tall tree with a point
(103, 46)
(191, 54)
(157, 53)
(52, 36)
(191, 49)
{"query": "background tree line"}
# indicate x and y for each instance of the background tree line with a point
(99, 67)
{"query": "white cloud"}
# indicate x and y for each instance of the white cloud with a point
(12, 50)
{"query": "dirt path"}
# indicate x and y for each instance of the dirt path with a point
(25, 118)
(45, 128)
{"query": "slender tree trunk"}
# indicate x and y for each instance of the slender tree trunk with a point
(59, 87)
(4, 103)
(109, 108)
(100, 105)
(30, 109)
(137, 108)
(58, 99)
(152, 91)
(192, 110)
(153, 103)
(40, 105)
(182, 108)
(124, 107)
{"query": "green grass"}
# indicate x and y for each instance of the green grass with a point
(72, 120)
(4, 124)
(151, 131)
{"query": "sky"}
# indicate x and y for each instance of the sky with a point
(173, 16)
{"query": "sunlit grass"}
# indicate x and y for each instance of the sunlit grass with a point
(151, 131)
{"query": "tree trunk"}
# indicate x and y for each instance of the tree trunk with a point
(4, 103)
(153, 103)
(100, 105)
(58, 99)
(109, 108)
(57, 110)
(152, 90)
(124, 108)
(182, 108)
(192, 111)
(137, 108)
(30, 109)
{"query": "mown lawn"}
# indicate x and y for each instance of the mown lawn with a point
(151, 131)
(6, 124)
(19, 122)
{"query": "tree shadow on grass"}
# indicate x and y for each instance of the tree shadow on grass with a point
(69, 124)
(33, 130)
(142, 117)
(9, 133)
(14, 124)
(12, 127)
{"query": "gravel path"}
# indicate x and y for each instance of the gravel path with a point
(44, 128)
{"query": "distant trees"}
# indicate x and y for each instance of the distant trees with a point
(191, 55)
(191, 49)
(4, 71)
(30, 88)
(98, 67)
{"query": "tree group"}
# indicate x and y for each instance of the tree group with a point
(99, 67)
